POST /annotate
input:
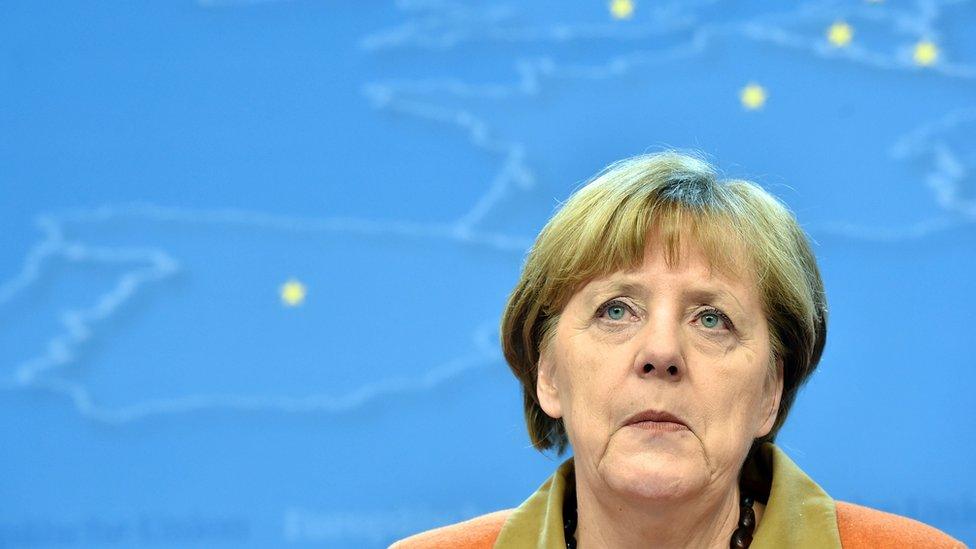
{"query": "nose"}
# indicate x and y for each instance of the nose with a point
(659, 355)
(671, 372)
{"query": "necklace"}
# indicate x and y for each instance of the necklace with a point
(741, 537)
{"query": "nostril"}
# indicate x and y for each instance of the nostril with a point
(648, 367)
(672, 369)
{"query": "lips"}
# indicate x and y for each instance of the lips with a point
(656, 416)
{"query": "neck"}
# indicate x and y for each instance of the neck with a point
(706, 520)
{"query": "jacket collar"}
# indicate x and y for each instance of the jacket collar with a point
(798, 512)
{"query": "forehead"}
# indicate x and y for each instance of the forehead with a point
(690, 268)
(711, 246)
(720, 259)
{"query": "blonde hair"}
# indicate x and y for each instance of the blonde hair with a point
(603, 228)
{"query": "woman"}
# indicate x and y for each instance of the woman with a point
(662, 325)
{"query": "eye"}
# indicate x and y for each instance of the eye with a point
(615, 310)
(711, 318)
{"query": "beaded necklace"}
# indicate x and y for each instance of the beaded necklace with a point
(741, 537)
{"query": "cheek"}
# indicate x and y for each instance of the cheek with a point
(734, 408)
(585, 392)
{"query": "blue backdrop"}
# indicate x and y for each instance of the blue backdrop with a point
(253, 254)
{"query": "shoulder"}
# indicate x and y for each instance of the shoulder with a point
(477, 533)
(865, 527)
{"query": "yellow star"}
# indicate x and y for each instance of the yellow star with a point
(292, 293)
(840, 34)
(926, 53)
(621, 9)
(753, 96)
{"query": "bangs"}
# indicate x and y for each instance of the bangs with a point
(621, 242)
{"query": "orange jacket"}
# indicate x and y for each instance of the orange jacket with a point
(798, 514)
(860, 527)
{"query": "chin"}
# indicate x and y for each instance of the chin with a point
(654, 475)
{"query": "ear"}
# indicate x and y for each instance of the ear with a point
(545, 386)
(774, 394)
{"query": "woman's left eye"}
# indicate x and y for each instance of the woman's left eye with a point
(712, 318)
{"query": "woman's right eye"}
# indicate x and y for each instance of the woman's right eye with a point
(615, 310)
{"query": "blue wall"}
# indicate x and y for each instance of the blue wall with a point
(166, 167)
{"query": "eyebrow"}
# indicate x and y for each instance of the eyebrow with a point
(712, 294)
(620, 287)
(703, 294)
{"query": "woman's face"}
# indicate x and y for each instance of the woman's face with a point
(706, 337)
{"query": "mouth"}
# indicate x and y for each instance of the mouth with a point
(656, 420)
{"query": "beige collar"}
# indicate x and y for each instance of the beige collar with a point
(798, 512)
